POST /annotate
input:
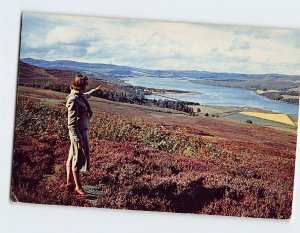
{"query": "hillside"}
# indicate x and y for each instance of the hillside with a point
(148, 158)
(115, 71)
(35, 76)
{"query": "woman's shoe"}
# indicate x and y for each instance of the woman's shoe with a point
(80, 192)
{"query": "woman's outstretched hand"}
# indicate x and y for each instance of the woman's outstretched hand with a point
(99, 87)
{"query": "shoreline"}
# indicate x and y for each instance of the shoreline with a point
(165, 92)
(277, 101)
(255, 91)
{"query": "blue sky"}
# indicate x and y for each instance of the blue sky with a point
(160, 45)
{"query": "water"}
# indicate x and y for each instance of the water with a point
(212, 95)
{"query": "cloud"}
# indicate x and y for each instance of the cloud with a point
(69, 35)
(160, 45)
(239, 45)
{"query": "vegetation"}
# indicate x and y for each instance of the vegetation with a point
(265, 91)
(60, 80)
(278, 117)
(263, 122)
(149, 166)
(150, 160)
(286, 96)
(251, 84)
(133, 98)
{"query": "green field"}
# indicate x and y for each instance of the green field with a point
(264, 122)
(232, 112)
(294, 117)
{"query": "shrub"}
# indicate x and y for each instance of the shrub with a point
(148, 166)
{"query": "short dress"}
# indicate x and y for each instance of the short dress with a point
(79, 114)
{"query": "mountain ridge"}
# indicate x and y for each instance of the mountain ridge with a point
(116, 71)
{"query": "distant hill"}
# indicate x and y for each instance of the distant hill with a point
(88, 68)
(34, 75)
(115, 71)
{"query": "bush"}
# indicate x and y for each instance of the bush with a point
(148, 166)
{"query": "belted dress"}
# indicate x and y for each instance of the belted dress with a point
(79, 114)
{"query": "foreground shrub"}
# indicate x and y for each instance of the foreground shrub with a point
(146, 166)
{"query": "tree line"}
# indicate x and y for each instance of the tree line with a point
(278, 96)
(132, 97)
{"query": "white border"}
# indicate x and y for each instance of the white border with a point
(42, 218)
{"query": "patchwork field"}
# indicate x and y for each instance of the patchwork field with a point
(263, 122)
(281, 118)
(283, 122)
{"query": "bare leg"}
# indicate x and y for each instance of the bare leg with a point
(78, 187)
(68, 169)
(77, 180)
(68, 165)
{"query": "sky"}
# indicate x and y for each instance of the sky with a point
(160, 45)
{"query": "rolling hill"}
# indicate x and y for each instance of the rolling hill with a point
(115, 71)
(144, 158)
(33, 75)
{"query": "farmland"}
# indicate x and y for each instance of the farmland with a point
(263, 122)
(149, 158)
(265, 91)
(283, 122)
(277, 117)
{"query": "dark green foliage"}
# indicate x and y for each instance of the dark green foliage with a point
(132, 98)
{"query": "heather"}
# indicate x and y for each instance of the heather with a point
(145, 165)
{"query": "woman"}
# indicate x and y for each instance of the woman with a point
(79, 114)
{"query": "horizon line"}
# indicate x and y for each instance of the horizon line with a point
(219, 72)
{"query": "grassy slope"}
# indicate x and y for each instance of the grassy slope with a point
(236, 113)
(234, 169)
(29, 74)
(263, 122)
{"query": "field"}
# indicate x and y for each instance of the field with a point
(259, 121)
(281, 118)
(283, 122)
(262, 91)
(295, 89)
(149, 158)
(214, 109)
(290, 97)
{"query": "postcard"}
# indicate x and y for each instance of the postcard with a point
(156, 116)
